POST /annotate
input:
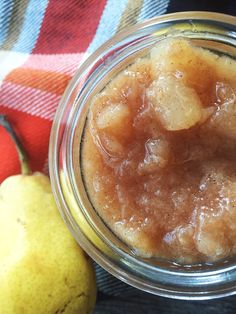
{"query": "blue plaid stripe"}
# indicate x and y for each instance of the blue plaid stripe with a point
(153, 8)
(31, 26)
(108, 23)
(6, 7)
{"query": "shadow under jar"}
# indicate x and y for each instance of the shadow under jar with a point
(164, 275)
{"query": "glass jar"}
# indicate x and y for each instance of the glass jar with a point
(210, 30)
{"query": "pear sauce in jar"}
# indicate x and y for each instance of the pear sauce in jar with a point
(159, 154)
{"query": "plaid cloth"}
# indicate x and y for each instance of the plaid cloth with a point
(42, 43)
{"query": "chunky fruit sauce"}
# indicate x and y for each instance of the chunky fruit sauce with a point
(159, 154)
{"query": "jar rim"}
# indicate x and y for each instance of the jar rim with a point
(60, 137)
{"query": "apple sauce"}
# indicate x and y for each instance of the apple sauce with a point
(159, 154)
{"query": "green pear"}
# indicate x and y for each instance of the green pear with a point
(42, 270)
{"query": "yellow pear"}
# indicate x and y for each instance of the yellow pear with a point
(42, 270)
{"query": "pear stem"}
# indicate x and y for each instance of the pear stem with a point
(25, 169)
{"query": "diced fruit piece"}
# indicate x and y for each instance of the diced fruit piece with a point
(181, 238)
(229, 193)
(112, 116)
(210, 238)
(156, 157)
(171, 55)
(180, 58)
(141, 71)
(224, 119)
(111, 145)
(185, 237)
(140, 241)
(224, 66)
(157, 151)
(207, 113)
(177, 106)
(225, 93)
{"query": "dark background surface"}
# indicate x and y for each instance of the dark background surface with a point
(117, 297)
(144, 303)
(222, 6)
